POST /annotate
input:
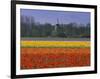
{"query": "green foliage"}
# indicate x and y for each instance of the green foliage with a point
(30, 28)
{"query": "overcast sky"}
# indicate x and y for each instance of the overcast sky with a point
(48, 16)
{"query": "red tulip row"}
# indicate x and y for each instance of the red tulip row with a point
(35, 58)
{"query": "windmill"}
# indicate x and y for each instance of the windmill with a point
(54, 32)
(57, 25)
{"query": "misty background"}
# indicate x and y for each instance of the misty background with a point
(60, 24)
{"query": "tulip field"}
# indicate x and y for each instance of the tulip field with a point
(54, 54)
(55, 43)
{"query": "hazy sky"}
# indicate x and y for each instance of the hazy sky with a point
(48, 16)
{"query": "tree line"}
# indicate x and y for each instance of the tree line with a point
(30, 28)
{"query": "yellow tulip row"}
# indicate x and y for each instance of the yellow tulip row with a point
(55, 44)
